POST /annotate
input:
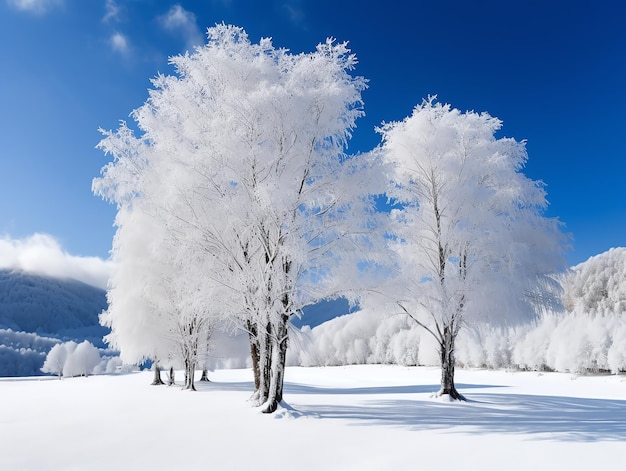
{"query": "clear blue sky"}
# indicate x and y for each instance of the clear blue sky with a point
(554, 72)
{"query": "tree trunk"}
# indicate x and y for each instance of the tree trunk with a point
(254, 354)
(157, 381)
(205, 376)
(190, 373)
(170, 378)
(279, 360)
(446, 351)
(265, 365)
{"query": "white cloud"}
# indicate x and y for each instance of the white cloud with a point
(112, 11)
(177, 19)
(119, 43)
(35, 6)
(42, 254)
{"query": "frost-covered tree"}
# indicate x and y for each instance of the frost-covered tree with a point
(139, 329)
(157, 278)
(72, 359)
(55, 360)
(596, 286)
(240, 169)
(469, 236)
(82, 360)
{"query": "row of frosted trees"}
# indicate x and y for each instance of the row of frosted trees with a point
(238, 207)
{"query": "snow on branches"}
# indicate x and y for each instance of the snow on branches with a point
(236, 203)
(469, 239)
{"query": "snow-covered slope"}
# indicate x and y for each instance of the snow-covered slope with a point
(36, 312)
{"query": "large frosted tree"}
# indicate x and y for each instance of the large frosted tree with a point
(468, 233)
(240, 164)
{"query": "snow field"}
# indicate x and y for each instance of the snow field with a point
(368, 417)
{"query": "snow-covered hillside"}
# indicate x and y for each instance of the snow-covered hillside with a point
(361, 418)
(37, 312)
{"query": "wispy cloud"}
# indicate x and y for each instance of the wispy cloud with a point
(181, 21)
(42, 254)
(35, 6)
(119, 43)
(112, 11)
(296, 13)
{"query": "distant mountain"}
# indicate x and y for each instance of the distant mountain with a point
(36, 312)
(63, 308)
(322, 312)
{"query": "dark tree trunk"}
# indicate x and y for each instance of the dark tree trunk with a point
(170, 377)
(205, 376)
(265, 364)
(446, 351)
(190, 373)
(254, 354)
(279, 360)
(157, 381)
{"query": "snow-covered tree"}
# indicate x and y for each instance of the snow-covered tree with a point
(469, 236)
(596, 286)
(252, 205)
(72, 359)
(82, 360)
(55, 360)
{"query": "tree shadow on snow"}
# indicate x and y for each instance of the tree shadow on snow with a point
(539, 417)
(294, 388)
(558, 418)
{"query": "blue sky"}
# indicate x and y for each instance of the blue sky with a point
(553, 71)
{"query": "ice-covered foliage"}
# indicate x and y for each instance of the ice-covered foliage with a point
(567, 342)
(598, 285)
(236, 201)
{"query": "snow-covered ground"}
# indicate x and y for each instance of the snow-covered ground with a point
(368, 417)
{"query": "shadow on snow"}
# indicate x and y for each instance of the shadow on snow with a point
(540, 417)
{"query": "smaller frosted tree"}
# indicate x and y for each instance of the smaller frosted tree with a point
(55, 360)
(469, 240)
(72, 359)
(82, 361)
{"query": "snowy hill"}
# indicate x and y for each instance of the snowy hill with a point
(36, 312)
